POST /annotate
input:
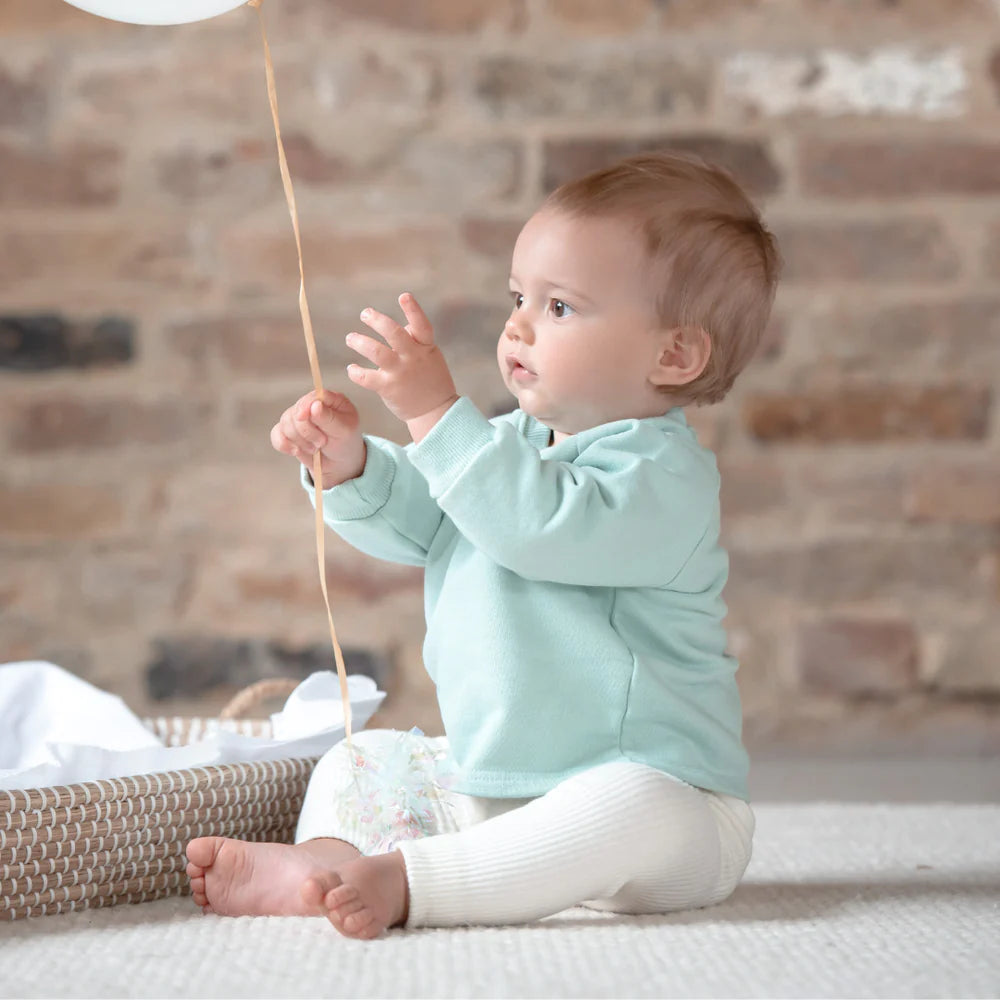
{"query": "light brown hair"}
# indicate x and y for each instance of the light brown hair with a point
(715, 262)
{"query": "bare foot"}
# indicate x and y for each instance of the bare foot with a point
(362, 897)
(236, 878)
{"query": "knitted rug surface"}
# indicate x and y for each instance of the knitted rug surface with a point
(840, 900)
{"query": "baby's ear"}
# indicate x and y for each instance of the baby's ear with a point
(683, 355)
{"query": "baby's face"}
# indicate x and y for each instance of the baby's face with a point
(579, 343)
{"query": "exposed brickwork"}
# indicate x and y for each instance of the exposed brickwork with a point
(436, 15)
(46, 341)
(749, 160)
(190, 666)
(84, 174)
(151, 539)
(953, 491)
(520, 88)
(858, 656)
(594, 17)
(23, 99)
(900, 169)
(66, 423)
(39, 513)
(907, 251)
(871, 413)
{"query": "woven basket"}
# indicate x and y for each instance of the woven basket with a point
(68, 847)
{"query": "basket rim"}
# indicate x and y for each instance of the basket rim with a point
(98, 789)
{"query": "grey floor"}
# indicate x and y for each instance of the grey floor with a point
(845, 780)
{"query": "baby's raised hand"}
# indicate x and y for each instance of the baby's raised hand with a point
(412, 376)
(329, 424)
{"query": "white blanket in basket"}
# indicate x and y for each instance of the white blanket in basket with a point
(56, 729)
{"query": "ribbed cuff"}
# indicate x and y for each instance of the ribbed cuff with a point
(361, 497)
(451, 445)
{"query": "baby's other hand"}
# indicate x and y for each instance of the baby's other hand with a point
(327, 423)
(412, 376)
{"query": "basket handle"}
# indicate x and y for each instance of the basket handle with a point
(253, 695)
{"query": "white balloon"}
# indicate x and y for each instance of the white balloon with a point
(157, 11)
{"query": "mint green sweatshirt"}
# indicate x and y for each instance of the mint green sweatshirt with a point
(572, 594)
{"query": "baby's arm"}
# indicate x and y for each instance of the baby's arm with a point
(628, 512)
(372, 496)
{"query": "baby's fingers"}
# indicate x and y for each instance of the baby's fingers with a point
(334, 413)
(281, 443)
(418, 325)
(300, 430)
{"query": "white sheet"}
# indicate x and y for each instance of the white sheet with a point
(56, 729)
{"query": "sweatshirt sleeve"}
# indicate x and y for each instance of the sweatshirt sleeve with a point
(387, 511)
(628, 512)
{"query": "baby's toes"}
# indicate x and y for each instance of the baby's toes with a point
(195, 871)
(315, 889)
(358, 922)
(341, 896)
(346, 911)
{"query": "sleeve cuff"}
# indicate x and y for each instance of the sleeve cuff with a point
(451, 445)
(361, 497)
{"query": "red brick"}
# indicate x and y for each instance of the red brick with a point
(899, 168)
(313, 165)
(958, 334)
(61, 423)
(597, 17)
(749, 160)
(751, 486)
(991, 262)
(253, 345)
(36, 16)
(903, 250)
(469, 328)
(492, 237)
(870, 414)
(73, 510)
(970, 666)
(959, 567)
(435, 16)
(89, 257)
(966, 491)
(850, 491)
(679, 14)
(912, 727)
(24, 100)
(119, 587)
(709, 424)
(83, 174)
(335, 254)
(603, 85)
(450, 175)
(772, 343)
(206, 174)
(124, 92)
(851, 656)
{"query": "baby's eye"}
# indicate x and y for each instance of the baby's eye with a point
(518, 299)
(561, 309)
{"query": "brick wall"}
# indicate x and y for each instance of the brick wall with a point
(152, 541)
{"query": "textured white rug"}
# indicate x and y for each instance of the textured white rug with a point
(840, 901)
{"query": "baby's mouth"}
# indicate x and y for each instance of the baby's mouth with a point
(517, 370)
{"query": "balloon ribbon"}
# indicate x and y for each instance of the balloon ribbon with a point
(317, 470)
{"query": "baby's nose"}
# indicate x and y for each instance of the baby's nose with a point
(516, 329)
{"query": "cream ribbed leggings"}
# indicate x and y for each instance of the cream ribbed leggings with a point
(622, 836)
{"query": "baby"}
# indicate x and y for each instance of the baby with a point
(573, 579)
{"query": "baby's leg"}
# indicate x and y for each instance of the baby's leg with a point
(623, 834)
